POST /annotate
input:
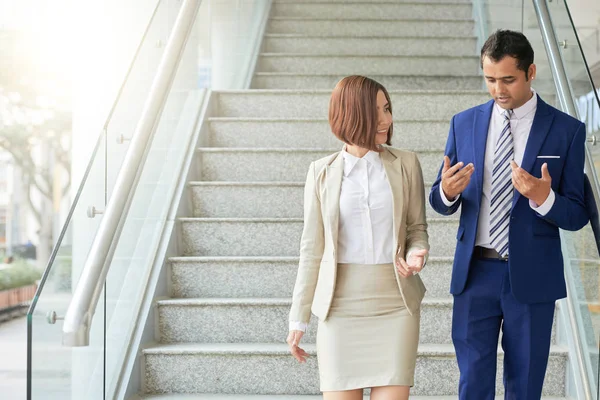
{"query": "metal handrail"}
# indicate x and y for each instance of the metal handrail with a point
(76, 328)
(565, 96)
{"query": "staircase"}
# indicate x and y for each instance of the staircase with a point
(221, 334)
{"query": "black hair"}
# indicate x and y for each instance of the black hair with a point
(504, 43)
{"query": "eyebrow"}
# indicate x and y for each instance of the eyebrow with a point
(503, 77)
(385, 105)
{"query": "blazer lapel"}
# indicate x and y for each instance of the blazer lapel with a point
(481, 127)
(393, 170)
(333, 185)
(539, 130)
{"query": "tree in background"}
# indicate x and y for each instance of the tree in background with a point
(35, 128)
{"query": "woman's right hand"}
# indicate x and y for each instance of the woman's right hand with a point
(293, 340)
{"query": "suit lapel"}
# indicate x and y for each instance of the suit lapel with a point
(481, 127)
(393, 170)
(539, 130)
(333, 185)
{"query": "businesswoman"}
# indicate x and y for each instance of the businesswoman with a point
(364, 241)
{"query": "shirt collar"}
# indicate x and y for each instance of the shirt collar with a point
(350, 161)
(523, 111)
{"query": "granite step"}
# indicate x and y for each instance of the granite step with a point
(316, 133)
(265, 320)
(279, 165)
(409, 105)
(365, 27)
(273, 237)
(397, 81)
(256, 200)
(350, 45)
(268, 368)
(267, 277)
(381, 11)
(367, 65)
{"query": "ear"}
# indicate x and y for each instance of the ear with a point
(532, 71)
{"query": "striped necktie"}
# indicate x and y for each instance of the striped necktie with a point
(502, 188)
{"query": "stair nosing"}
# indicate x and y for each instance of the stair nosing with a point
(307, 55)
(249, 259)
(284, 220)
(428, 350)
(286, 150)
(295, 119)
(287, 18)
(346, 37)
(328, 92)
(258, 183)
(264, 302)
(293, 74)
(411, 3)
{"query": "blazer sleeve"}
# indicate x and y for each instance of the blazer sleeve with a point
(416, 223)
(311, 252)
(568, 211)
(435, 198)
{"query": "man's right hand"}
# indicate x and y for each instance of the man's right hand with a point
(455, 179)
(293, 340)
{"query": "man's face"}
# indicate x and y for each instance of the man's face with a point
(507, 84)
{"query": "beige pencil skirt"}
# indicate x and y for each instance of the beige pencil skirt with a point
(369, 338)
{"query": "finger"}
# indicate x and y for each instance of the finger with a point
(420, 252)
(545, 174)
(401, 267)
(297, 355)
(452, 170)
(446, 166)
(466, 171)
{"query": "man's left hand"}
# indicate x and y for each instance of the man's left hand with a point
(535, 189)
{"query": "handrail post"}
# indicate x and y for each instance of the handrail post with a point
(566, 99)
(76, 328)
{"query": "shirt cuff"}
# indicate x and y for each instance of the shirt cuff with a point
(447, 202)
(298, 326)
(544, 208)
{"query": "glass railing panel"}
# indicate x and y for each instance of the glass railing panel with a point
(137, 248)
(54, 370)
(51, 366)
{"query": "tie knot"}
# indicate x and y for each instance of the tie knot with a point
(507, 114)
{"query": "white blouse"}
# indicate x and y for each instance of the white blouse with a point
(365, 233)
(366, 220)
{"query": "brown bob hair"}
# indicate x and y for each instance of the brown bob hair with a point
(353, 111)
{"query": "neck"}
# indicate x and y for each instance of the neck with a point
(356, 151)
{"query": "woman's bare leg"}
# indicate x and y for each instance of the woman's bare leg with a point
(356, 394)
(390, 393)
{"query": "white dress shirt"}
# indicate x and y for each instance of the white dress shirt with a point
(520, 127)
(366, 221)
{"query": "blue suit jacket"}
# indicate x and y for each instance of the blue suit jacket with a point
(535, 258)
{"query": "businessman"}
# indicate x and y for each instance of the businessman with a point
(514, 166)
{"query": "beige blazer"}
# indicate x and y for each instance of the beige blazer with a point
(315, 282)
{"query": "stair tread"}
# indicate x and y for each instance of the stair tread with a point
(272, 259)
(202, 396)
(296, 119)
(434, 350)
(312, 36)
(328, 92)
(446, 57)
(235, 219)
(264, 301)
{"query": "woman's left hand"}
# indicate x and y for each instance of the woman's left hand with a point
(413, 265)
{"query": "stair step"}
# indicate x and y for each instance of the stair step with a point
(315, 133)
(255, 200)
(202, 396)
(381, 11)
(367, 65)
(408, 105)
(280, 165)
(256, 320)
(277, 236)
(257, 368)
(376, 1)
(265, 320)
(364, 27)
(244, 277)
(399, 46)
(290, 80)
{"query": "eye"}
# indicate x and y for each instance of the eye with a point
(387, 110)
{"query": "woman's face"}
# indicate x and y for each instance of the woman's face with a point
(384, 118)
